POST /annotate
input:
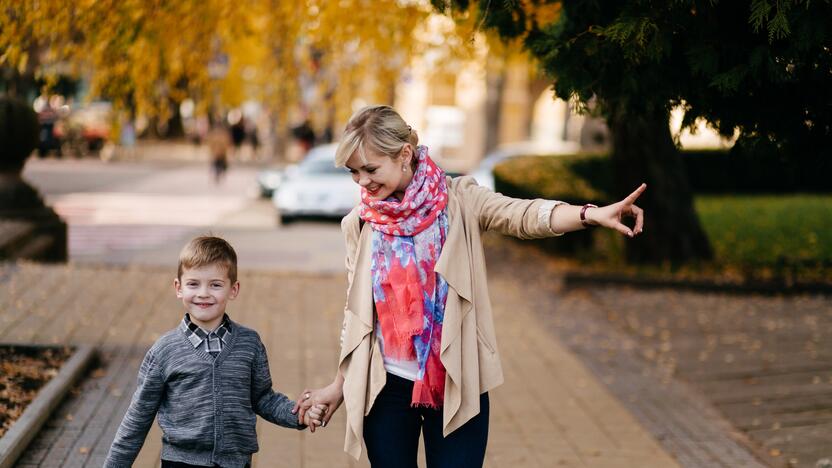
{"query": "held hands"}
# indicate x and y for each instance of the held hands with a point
(314, 416)
(610, 216)
(326, 400)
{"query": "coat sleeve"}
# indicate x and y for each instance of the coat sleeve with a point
(524, 219)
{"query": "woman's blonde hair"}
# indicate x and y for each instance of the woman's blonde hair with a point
(379, 129)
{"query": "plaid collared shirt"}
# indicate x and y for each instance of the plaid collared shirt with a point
(213, 341)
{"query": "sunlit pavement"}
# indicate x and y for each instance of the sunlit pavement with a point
(133, 212)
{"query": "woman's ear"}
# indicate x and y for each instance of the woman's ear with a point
(407, 154)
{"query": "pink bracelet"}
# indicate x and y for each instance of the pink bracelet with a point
(583, 214)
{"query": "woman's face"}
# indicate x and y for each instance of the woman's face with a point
(381, 175)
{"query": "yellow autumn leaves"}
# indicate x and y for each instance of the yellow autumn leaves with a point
(148, 53)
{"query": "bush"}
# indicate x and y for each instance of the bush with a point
(578, 178)
(571, 178)
(574, 179)
(778, 234)
(741, 170)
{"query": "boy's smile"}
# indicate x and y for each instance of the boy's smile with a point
(205, 292)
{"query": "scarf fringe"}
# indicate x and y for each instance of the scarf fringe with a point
(424, 396)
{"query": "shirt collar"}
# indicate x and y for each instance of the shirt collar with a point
(196, 335)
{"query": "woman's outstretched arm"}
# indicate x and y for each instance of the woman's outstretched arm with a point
(567, 218)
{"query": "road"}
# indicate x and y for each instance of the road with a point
(143, 212)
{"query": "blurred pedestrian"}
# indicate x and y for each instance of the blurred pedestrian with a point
(127, 139)
(418, 349)
(305, 136)
(252, 137)
(238, 135)
(219, 143)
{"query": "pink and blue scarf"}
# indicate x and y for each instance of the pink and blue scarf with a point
(409, 296)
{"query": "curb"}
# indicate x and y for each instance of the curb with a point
(752, 287)
(14, 442)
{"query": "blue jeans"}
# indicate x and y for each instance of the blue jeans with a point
(391, 432)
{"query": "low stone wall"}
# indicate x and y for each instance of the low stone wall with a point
(28, 228)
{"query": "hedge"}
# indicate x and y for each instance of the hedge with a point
(589, 176)
(784, 230)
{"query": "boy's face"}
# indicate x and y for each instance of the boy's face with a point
(205, 291)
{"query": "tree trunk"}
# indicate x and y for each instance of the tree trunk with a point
(495, 78)
(538, 83)
(643, 151)
(176, 129)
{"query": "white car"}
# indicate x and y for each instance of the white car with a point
(268, 180)
(484, 173)
(316, 188)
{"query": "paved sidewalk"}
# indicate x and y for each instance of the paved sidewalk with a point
(550, 412)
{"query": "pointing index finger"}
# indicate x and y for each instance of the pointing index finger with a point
(633, 196)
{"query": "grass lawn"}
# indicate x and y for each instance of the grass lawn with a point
(782, 238)
(781, 232)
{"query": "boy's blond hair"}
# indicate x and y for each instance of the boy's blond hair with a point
(208, 250)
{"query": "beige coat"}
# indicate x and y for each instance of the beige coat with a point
(469, 346)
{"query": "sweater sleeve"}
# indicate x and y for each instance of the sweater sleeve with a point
(274, 407)
(139, 417)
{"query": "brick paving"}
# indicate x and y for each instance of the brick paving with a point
(721, 380)
(595, 376)
(550, 412)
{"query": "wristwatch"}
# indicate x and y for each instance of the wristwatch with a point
(583, 213)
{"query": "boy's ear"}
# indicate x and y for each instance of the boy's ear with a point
(235, 289)
(177, 286)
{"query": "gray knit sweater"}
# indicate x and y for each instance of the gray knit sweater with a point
(206, 406)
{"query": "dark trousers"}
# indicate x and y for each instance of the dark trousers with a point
(391, 432)
(174, 464)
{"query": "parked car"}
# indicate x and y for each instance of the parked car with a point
(484, 173)
(268, 180)
(316, 188)
(86, 131)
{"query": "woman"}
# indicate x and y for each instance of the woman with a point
(418, 350)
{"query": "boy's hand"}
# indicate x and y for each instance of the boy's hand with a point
(330, 396)
(314, 416)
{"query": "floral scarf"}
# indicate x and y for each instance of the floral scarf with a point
(409, 296)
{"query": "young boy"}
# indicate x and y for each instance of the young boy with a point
(207, 378)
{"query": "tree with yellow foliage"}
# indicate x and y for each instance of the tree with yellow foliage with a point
(149, 55)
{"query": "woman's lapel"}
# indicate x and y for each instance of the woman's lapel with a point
(360, 300)
(454, 263)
